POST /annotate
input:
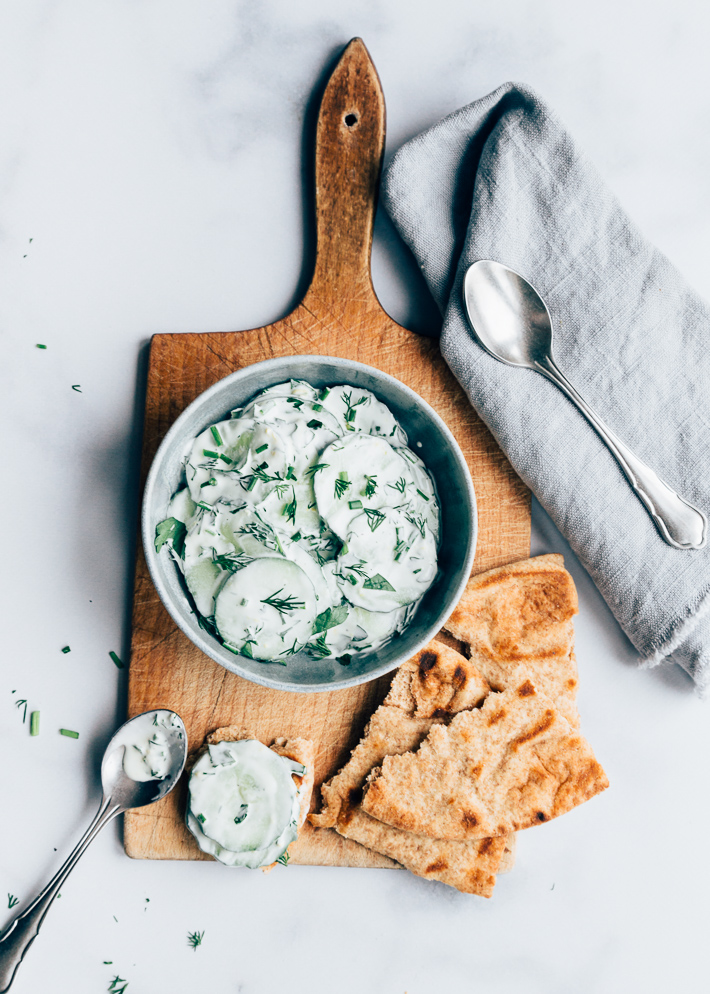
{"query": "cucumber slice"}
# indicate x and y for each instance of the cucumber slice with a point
(358, 410)
(228, 439)
(266, 608)
(386, 569)
(203, 580)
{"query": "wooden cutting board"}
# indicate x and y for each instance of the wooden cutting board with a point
(339, 316)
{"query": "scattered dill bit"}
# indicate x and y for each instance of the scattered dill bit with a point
(34, 723)
(12, 900)
(67, 648)
(342, 484)
(358, 570)
(312, 470)
(374, 518)
(19, 704)
(283, 604)
(207, 625)
(418, 522)
(194, 939)
(371, 486)
(173, 531)
(77, 387)
(293, 650)
(113, 987)
(377, 582)
(232, 561)
(69, 733)
(216, 435)
(258, 473)
(296, 401)
(262, 448)
(400, 485)
(116, 659)
(40, 346)
(314, 423)
(354, 504)
(423, 496)
(289, 510)
(284, 858)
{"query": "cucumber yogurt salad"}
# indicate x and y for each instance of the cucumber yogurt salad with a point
(305, 523)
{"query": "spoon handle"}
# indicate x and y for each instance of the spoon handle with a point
(680, 524)
(19, 936)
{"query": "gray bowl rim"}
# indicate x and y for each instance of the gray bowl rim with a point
(232, 664)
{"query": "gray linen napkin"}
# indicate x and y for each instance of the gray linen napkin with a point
(502, 179)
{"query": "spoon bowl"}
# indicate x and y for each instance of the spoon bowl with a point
(129, 793)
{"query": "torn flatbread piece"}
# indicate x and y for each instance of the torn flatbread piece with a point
(521, 614)
(511, 764)
(427, 689)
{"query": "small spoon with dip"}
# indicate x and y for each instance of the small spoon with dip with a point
(141, 764)
(511, 322)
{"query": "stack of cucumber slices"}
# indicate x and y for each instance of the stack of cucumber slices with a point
(306, 524)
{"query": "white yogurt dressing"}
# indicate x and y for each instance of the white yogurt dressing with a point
(306, 524)
(243, 805)
(147, 744)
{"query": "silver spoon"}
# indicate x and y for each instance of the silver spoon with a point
(119, 794)
(510, 320)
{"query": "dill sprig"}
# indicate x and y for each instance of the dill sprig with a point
(12, 900)
(194, 939)
(113, 986)
(371, 486)
(232, 561)
(284, 605)
(284, 858)
(289, 510)
(350, 411)
(418, 522)
(320, 647)
(19, 704)
(312, 470)
(341, 485)
(400, 485)
(374, 518)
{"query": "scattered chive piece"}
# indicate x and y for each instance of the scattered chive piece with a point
(314, 424)
(317, 407)
(40, 346)
(108, 962)
(209, 483)
(216, 435)
(195, 939)
(225, 459)
(34, 723)
(262, 448)
(68, 732)
(210, 454)
(353, 504)
(76, 386)
(424, 496)
(324, 393)
(66, 648)
(116, 659)
(290, 475)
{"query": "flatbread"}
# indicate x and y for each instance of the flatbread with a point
(300, 750)
(428, 689)
(522, 615)
(511, 764)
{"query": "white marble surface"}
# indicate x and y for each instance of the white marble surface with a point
(152, 153)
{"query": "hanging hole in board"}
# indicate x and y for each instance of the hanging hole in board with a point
(351, 120)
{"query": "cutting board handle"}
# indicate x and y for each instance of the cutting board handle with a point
(350, 141)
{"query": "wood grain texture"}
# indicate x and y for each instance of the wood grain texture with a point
(339, 316)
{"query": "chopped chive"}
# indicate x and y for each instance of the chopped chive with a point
(423, 496)
(77, 387)
(66, 648)
(69, 733)
(324, 393)
(201, 818)
(314, 424)
(290, 475)
(216, 435)
(40, 346)
(262, 448)
(317, 407)
(34, 723)
(116, 659)
(352, 504)
(210, 454)
(225, 459)
(209, 483)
